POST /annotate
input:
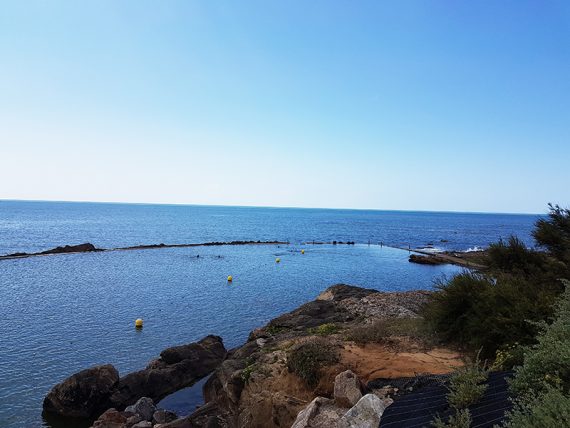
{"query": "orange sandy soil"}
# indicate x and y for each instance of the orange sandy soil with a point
(374, 360)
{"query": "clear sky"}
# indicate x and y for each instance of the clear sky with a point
(428, 105)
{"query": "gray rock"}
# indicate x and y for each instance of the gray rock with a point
(144, 407)
(132, 420)
(347, 389)
(319, 413)
(163, 416)
(365, 414)
(308, 413)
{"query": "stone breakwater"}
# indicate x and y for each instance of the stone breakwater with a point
(90, 248)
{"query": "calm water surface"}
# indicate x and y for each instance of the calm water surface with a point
(60, 314)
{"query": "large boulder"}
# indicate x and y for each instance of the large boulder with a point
(320, 413)
(347, 389)
(365, 414)
(84, 394)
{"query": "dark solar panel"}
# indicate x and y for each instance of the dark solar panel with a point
(420, 407)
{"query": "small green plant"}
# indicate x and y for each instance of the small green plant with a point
(275, 329)
(306, 359)
(246, 373)
(324, 329)
(461, 419)
(467, 385)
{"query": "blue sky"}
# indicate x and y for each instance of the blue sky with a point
(427, 105)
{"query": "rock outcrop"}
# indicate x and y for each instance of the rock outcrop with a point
(88, 393)
(255, 387)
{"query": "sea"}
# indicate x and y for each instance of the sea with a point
(63, 313)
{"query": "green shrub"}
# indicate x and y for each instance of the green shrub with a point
(550, 409)
(306, 359)
(514, 257)
(324, 329)
(547, 364)
(477, 311)
(461, 419)
(553, 233)
(542, 383)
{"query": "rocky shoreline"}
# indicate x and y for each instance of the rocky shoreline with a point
(257, 384)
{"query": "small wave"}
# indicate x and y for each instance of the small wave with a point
(431, 249)
(473, 249)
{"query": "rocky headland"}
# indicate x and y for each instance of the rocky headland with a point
(329, 362)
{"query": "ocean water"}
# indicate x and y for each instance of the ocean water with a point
(63, 313)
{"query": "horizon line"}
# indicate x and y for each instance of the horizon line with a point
(267, 206)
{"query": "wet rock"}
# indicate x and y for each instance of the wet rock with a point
(427, 260)
(347, 389)
(84, 394)
(144, 407)
(365, 414)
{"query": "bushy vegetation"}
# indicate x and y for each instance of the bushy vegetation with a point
(381, 331)
(542, 383)
(491, 310)
(306, 359)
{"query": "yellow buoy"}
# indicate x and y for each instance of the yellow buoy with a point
(138, 323)
(302, 251)
(277, 260)
(230, 278)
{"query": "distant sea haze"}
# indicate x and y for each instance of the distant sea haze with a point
(63, 313)
(37, 226)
